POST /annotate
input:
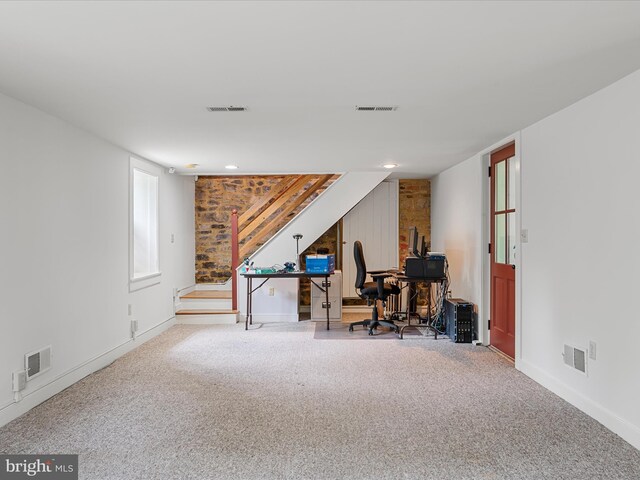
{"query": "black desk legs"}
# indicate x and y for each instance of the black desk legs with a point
(248, 319)
(429, 319)
(265, 277)
(420, 324)
(326, 297)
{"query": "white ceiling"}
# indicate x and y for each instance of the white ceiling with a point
(463, 74)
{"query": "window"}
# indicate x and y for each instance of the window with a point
(144, 262)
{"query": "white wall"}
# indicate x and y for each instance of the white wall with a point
(456, 226)
(579, 270)
(64, 251)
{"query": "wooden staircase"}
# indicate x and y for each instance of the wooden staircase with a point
(206, 307)
(263, 219)
(255, 226)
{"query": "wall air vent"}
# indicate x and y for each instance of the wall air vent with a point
(376, 108)
(575, 358)
(230, 108)
(36, 363)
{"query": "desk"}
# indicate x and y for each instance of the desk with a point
(266, 276)
(427, 321)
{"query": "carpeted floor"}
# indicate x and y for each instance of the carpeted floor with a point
(202, 402)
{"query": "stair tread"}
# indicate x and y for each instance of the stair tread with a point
(208, 294)
(204, 311)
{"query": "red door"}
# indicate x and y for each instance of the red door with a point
(503, 243)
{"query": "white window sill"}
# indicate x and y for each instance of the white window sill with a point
(138, 283)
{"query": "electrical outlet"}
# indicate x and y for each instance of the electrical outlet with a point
(129, 310)
(134, 327)
(19, 381)
(272, 291)
(524, 235)
(592, 350)
(173, 238)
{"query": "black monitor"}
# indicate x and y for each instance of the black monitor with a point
(423, 247)
(414, 248)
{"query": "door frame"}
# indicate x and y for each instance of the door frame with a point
(485, 312)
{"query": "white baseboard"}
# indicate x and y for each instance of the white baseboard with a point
(206, 304)
(220, 319)
(187, 289)
(619, 426)
(73, 375)
(271, 318)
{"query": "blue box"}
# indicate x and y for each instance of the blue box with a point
(320, 263)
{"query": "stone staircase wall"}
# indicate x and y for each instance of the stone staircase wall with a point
(215, 198)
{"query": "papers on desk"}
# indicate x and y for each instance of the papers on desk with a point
(260, 270)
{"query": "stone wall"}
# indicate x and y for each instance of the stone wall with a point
(216, 197)
(414, 211)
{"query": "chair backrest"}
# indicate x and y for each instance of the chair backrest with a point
(361, 267)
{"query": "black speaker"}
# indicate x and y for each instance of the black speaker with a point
(460, 316)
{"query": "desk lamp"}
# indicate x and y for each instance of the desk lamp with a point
(297, 237)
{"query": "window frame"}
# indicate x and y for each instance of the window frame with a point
(152, 278)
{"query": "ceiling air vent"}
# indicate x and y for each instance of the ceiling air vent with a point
(376, 108)
(230, 108)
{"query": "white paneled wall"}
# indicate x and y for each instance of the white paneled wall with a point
(373, 221)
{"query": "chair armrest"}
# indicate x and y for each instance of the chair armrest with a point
(379, 276)
(375, 274)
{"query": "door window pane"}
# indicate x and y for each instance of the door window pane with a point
(500, 185)
(511, 238)
(500, 238)
(512, 168)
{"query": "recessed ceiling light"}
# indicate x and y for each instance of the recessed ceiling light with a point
(191, 165)
(231, 167)
(390, 165)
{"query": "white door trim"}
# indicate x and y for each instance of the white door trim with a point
(485, 311)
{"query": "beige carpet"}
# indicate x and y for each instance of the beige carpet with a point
(217, 402)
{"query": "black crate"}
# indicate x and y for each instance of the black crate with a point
(461, 325)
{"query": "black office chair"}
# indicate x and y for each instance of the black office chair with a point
(372, 291)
